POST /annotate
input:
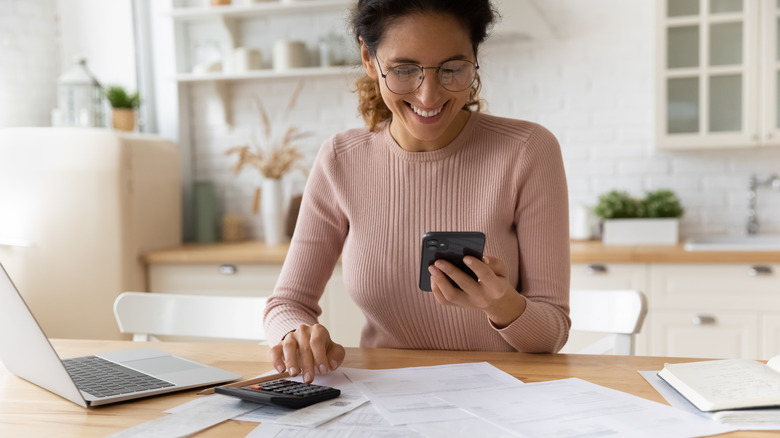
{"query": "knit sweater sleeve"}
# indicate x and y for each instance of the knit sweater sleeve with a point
(542, 221)
(314, 251)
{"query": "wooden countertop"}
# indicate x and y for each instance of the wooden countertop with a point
(252, 252)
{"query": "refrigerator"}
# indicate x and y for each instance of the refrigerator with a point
(78, 207)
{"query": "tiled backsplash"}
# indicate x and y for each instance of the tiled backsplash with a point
(592, 87)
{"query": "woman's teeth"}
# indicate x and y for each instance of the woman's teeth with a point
(426, 113)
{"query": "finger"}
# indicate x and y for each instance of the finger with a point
(336, 355)
(277, 358)
(450, 295)
(320, 339)
(435, 289)
(484, 272)
(496, 264)
(290, 350)
(462, 279)
(305, 357)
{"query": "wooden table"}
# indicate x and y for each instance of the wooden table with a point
(27, 410)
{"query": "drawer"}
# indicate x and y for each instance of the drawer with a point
(749, 287)
(609, 276)
(222, 279)
(704, 334)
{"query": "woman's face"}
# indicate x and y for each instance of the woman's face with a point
(430, 117)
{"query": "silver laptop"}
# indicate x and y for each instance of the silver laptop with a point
(91, 380)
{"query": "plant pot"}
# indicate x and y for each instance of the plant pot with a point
(123, 119)
(661, 231)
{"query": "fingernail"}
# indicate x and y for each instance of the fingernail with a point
(334, 364)
(307, 377)
(431, 269)
(468, 260)
(323, 369)
(293, 371)
(280, 368)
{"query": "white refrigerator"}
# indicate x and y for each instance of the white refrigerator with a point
(78, 206)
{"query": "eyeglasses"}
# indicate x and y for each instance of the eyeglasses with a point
(455, 75)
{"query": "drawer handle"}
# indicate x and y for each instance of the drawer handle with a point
(227, 269)
(756, 271)
(704, 320)
(595, 269)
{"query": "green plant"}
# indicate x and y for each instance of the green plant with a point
(118, 97)
(616, 204)
(661, 203)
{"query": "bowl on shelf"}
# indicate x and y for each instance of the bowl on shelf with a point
(755, 242)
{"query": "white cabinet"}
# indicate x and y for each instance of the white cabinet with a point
(717, 73)
(703, 310)
(340, 315)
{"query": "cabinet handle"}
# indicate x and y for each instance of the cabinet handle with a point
(756, 271)
(704, 320)
(227, 269)
(595, 269)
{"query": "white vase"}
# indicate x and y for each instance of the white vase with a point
(272, 211)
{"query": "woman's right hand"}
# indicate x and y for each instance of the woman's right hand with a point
(307, 348)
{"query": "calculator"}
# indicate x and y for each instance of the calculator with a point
(282, 392)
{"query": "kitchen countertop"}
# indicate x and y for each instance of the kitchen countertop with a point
(253, 252)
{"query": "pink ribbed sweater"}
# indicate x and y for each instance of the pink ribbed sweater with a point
(370, 201)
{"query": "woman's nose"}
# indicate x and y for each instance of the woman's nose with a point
(430, 89)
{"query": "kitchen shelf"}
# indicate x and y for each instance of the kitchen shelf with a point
(268, 74)
(259, 9)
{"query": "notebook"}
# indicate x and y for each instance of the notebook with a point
(91, 380)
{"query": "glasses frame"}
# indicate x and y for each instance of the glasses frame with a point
(438, 70)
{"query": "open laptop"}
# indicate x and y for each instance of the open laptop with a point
(26, 352)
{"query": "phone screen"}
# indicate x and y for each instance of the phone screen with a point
(451, 246)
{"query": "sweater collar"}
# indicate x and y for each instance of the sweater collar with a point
(438, 154)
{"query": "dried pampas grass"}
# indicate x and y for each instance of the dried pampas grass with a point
(273, 157)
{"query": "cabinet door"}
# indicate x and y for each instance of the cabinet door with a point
(706, 73)
(341, 316)
(226, 279)
(770, 331)
(704, 334)
(771, 81)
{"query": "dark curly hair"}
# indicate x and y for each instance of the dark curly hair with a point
(369, 20)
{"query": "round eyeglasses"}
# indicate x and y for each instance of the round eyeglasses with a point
(455, 75)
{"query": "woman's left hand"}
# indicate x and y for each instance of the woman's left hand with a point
(492, 293)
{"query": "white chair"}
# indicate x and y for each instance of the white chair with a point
(198, 316)
(618, 313)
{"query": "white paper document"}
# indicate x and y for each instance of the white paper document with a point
(574, 407)
(677, 401)
(406, 395)
(191, 418)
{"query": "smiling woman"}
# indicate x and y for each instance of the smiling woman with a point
(428, 160)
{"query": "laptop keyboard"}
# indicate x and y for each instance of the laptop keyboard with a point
(103, 378)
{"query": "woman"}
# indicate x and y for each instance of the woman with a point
(427, 162)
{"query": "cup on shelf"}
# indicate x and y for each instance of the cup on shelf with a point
(290, 54)
(245, 59)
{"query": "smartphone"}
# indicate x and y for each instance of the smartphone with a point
(451, 246)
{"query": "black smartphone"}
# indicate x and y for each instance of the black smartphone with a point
(451, 246)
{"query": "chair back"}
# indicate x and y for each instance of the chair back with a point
(618, 313)
(146, 314)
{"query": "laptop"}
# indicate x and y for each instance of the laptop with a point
(94, 380)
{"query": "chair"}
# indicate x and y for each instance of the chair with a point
(619, 313)
(197, 316)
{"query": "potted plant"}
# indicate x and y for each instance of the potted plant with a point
(123, 105)
(652, 220)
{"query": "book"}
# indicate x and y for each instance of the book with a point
(717, 385)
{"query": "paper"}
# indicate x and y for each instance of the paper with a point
(209, 411)
(735, 419)
(405, 395)
(361, 422)
(574, 407)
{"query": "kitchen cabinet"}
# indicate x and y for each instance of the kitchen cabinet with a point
(706, 310)
(717, 74)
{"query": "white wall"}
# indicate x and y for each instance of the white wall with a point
(28, 62)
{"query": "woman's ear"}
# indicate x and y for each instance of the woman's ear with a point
(368, 61)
